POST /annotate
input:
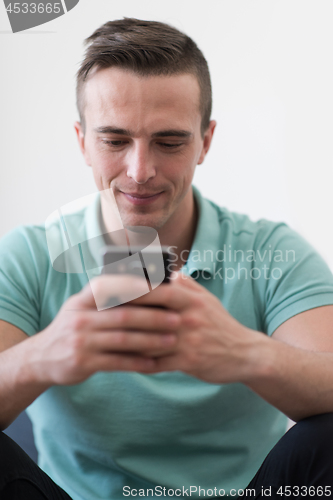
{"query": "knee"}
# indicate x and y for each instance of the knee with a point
(10, 452)
(316, 428)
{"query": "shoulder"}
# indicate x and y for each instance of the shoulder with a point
(23, 239)
(37, 243)
(263, 237)
(241, 226)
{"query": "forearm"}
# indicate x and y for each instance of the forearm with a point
(296, 381)
(19, 386)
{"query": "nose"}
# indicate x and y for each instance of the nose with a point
(140, 164)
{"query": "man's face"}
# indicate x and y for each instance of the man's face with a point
(143, 140)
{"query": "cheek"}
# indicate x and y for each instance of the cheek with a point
(180, 174)
(186, 167)
(105, 165)
(182, 165)
(103, 172)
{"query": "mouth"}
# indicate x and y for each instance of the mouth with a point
(141, 198)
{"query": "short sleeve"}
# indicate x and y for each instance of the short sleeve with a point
(297, 277)
(21, 267)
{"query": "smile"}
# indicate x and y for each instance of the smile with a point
(141, 199)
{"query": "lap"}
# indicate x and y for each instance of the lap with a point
(302, 458)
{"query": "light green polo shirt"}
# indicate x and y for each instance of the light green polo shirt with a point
(123, 431)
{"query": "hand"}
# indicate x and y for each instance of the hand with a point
(211, 344)
(81, 340)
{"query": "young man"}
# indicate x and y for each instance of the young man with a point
(146, 401)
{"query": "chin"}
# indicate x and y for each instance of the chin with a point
(146, 220)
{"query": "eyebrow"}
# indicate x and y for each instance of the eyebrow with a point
(163, 133)
(112, 130)
(173, 133)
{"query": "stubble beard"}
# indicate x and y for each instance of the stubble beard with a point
(144, 218)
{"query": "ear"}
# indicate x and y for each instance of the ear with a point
(207, 139)
(81, 140)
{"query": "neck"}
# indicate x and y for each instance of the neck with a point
(179, 232)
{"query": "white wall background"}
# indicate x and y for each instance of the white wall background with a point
(272, 72)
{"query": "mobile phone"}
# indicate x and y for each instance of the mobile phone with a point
(154, 263)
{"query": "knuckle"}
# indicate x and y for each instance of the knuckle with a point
(121, 315)
(77, 322)
(191, 320)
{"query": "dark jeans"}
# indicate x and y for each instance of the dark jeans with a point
(303, 458)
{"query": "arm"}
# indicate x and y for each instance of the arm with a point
(15, 394)
(78, 343)
(295, 373)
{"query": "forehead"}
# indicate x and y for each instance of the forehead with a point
(114, 94)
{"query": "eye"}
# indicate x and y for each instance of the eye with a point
(170, 145)
(114, 143)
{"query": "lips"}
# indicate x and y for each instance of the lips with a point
(141, 198)
(140, 195)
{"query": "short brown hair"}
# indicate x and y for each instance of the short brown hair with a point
(148, 48)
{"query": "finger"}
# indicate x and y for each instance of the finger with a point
(127, 317)
(172, 296)
(134, 341)
(99, 290)
(121, 362)
(168, 363)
